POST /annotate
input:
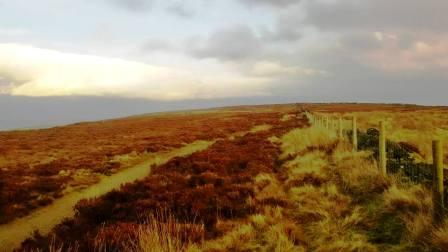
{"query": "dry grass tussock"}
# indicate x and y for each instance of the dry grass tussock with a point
(399, 214)
(268, 189)
(298, 140)
(439, 238)
(269, 230)
(412, 204)
(357, 175)
(167, 235)
(353, 207)
(330, 219)
(160, 233)
(306, 170)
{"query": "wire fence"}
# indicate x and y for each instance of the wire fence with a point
(392, 157)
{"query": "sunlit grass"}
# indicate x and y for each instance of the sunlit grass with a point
(298, 140)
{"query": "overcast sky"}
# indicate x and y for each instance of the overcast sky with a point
(219, 52)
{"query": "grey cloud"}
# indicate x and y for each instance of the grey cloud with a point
(133, 5)
(352, 81)
(153, 45)
(288, 25)
(359, 41)
(228, 44)
(277, 3)
(179, 9)
(281, 33)
(344, 37)
(378, 14)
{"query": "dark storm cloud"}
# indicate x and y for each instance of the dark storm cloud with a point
(133, 5)
(378, 14)
(228, 44)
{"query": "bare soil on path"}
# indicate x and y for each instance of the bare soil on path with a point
(44, 219)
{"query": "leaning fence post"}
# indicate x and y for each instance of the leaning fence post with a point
(354, 134)
(437, 186)
(382, 149)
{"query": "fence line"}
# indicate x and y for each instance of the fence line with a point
(388, 161)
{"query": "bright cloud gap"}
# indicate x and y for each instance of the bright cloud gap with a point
(31, 71)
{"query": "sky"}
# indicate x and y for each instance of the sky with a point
(64, 61)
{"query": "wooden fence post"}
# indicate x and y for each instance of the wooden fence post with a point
(340, 127)
(354, 134)
(382, 149)
(438, 197)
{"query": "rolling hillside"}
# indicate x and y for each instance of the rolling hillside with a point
(259, 178)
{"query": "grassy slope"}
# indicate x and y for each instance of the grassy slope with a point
(319, 197)
(331, 200)
(335, 200)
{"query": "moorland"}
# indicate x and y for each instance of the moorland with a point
(264, 179)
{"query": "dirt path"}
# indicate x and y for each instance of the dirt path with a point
(44, 219)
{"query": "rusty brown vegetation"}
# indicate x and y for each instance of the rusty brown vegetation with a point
(208, 186)
(38, 166)
(288, 187)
